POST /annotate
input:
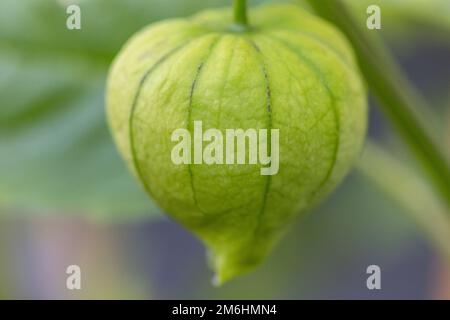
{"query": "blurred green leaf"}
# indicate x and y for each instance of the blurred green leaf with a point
(403, 184)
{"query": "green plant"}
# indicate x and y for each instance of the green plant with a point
(56, 155)
(284, 70)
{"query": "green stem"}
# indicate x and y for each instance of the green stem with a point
(240, 12)
(404, 107)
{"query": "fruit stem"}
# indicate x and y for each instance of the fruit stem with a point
(240, 12)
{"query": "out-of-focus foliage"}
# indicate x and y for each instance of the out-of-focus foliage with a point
(399, 181)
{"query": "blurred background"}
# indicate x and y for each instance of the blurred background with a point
(66, 197)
